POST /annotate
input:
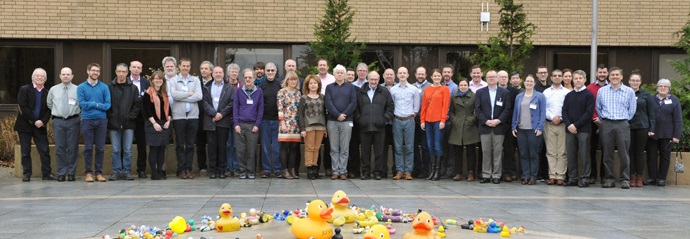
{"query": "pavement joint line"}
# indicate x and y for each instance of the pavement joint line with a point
(265, 196)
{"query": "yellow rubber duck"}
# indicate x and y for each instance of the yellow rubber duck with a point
(339, 221)
(378, 231)
(339, 202)
(441, 232)
(315, 226)
(226, 223)
(369, 219)
(423, 228)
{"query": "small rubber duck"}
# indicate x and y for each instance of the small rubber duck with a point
(505, 232)
(441, 232)
(315, 226)
(377, 231)
(423, 227)
(339, 221)
(226, 223)
(339, 202)
(369, 219)
(493, 227)
(178, 225)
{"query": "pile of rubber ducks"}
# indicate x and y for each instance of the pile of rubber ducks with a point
(489, 226)
(142, 232)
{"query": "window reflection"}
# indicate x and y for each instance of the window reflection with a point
(246, 57)
(150, 58)
(460, 60)
(414, 56)
(16, 66)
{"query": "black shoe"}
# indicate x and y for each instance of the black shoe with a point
(61, 178)
(650, 182)
(50, 176)
(608, 185)
(142, 174)
(661, 183)
(583, 184)
(26, 178)
(365, 176)
(70, 178)
(496, 180)
(570, 184)
(484, 180)
(222, 175)
(212, 175)
(128, 176)
(114, 177)
(377, 176)
(163, 174)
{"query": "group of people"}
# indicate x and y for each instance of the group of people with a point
(435, 126)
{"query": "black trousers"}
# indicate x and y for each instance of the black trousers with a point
(288, 154)
(156, 160)
(509, 161)
(201, 140)
(185, 135)
(376, 140)
(462, 150)
(217, 150)
(387, 144)
(658, 158)
(354, 159)
(140, 139)
(325, 158)
(421, 151)
(594, 145)
(40, 137)
(448, 162)
(638, 142)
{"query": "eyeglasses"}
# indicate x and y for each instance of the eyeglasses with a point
(542, 72)
(270, 70)
(556, 75)
(95, 70)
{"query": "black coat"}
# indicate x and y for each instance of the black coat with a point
(26, 99)
(502, 110)
(144, 85)
(126, 104)
(224, 107)
(372, 115)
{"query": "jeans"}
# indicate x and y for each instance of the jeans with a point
(185, 137)
(121, 140)
(231, 152)
(529, 146)
(93, 132)
(433, 138)
(66, 136)
(270, 147)
(577, 146)
(403, 135)
(339, 134)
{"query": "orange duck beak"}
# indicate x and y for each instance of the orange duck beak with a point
(421, 226)
(227, 212)
(344, 202)
(326, 213)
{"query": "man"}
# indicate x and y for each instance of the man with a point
(340, 104)
(248, 108)
(362, 71)
(509, 141)
(31, 123)
(185, 90)
(449, 172)
(388, 82)
(270, 147)
(353, 162)
(62, 100)
(205, 69)
(170, 68)
(476, 83)
(542, 77)
(615, 105)
(421, 153)
(578, 107)
(94, 100)
(234, 84)
(554, 130)
(515, 80)
(259, 71)
(602, 80)
(121, 122)
(218, 97)
(407, 101)
(350, 75)
(374, 109)
(491, 106)
(326, 79)
(142, 85)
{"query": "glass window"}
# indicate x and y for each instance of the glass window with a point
(149, 57)
(384, 59)
(304, 58)
(576, 60)
(666, 70)
(246, 57)
(17, 63)
(414, 56)
(460, 59)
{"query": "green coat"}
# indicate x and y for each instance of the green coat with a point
(464, 130)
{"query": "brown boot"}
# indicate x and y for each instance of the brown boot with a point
(639, 180)
(408, 176)
(294, 173)
(458, 177)
(470, 176)
(286, 174)
(398, 176)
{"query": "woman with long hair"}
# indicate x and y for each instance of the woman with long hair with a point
(288, 130)
(432, 119)
(312, 122)
(528, 125)
(156, 110)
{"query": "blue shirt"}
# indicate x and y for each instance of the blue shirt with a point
(216, 89)
(616, 104)
(370, 93)
(405, 99)
(492, 97)
(94, 100)
(453, 88)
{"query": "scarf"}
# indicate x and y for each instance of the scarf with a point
(462, 94)
(157, 103)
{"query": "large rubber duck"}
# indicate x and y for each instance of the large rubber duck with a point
(314, 226)
(378, 231)
(423, 228)
(226, 223)
(339, 202)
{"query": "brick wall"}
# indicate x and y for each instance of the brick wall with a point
(621, 22)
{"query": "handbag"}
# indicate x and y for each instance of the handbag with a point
(680, 166)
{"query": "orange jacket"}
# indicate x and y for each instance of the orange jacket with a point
(435, 104)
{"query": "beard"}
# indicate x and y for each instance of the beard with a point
(170, 73)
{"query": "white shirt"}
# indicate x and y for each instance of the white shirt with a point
(554, 101)
(329, 79)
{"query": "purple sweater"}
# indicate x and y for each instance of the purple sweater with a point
(244, 112)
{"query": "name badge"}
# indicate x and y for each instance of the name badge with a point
(250, 101)
(499, 103)
(72, 102)
(216, 99)
(668, 102)
(350, 124)
(184, 88)
(142, 93)
(635, 97)
(533, 106)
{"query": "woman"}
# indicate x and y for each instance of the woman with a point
(433, 119)
(464, 135)
(568, 79)
(156, 109)
(288, 132)
(528, 124)
(641, 126)
(312, 122)
(669, 124)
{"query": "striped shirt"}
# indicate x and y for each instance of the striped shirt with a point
(616, 104)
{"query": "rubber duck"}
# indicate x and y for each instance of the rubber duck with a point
(315, 225)
(226, 223)
(441, 232)
(339, 221)
(377, 231)
(253, 217)
(505, 232)
(178, 225)
(423, 228)
(493, 228)
(339, 202)
(369, 219)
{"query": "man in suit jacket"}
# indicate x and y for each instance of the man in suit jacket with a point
(139, 136)
(32, 121)
(493, 107)
(218, 97)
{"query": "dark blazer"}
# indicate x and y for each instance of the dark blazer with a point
(144, 85)
(224, 107)
(669, 118)
(502, 110)
(26, 99)
(125, 106)
(372, 115)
